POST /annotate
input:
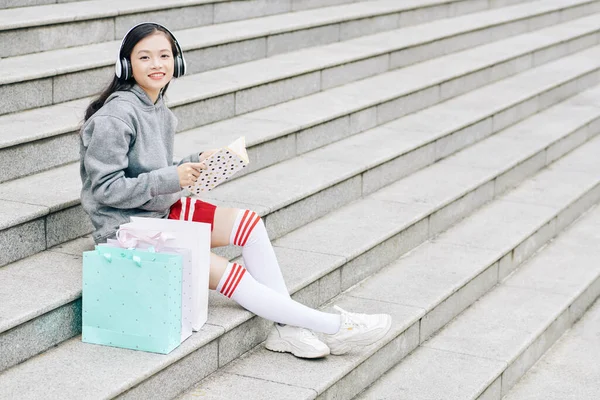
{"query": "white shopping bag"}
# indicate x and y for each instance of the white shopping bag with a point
(194, 236)
(187, 278)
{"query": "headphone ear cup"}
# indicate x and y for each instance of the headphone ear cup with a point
(118, 68)
(127, 72)
(178, 67)
(183, 66)
(122, 69)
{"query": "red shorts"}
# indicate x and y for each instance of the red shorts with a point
(188, 209)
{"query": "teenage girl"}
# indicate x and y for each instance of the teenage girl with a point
(127, 170)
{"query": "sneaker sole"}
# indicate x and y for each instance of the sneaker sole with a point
(281, 346)
(343, 348)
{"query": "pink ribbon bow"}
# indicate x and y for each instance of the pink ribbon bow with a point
(129, 238)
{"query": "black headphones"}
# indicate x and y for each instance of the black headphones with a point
(123, 65)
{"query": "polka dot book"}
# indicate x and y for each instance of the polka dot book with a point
(221, 166)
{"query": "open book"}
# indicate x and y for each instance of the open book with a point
(221, 165)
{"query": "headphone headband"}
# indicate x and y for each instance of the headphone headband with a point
(123, 66)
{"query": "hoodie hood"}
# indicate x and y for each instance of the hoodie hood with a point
(136, 95)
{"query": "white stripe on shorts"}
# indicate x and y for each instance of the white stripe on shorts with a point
(192, 209)
(183, 205)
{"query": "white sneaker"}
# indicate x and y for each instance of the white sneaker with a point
(299, 341)
(357, 330)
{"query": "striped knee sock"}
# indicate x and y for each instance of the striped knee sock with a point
(259, 299)
(259, 257)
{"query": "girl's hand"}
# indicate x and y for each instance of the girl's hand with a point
(207, 153)
(189, 173)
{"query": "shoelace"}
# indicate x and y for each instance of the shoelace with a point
(350, 317)
(307, 333)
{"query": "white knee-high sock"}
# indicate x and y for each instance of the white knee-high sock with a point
(259, 257)
(265, 302)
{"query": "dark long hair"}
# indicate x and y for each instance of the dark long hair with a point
(133, 37)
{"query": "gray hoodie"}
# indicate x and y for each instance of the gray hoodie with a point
(126, 162)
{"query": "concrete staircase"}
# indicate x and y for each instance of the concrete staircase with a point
(573, 355)
(485, 350)
(447, 141)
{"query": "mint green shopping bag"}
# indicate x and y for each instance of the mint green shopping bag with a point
(132, 299)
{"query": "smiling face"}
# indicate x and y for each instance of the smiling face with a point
(152, 63)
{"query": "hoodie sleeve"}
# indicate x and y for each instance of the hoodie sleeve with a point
(106, 140)
(195, 157)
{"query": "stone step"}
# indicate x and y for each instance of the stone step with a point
(61, 25)
(428, 287)
(54, 77)
(575, 355)
(43, 27)
(24, 131)
(56, 217)
(252, 8)
(31, 3)
(50, 134)
(390, 229)
(488, 348)
(56, 26)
